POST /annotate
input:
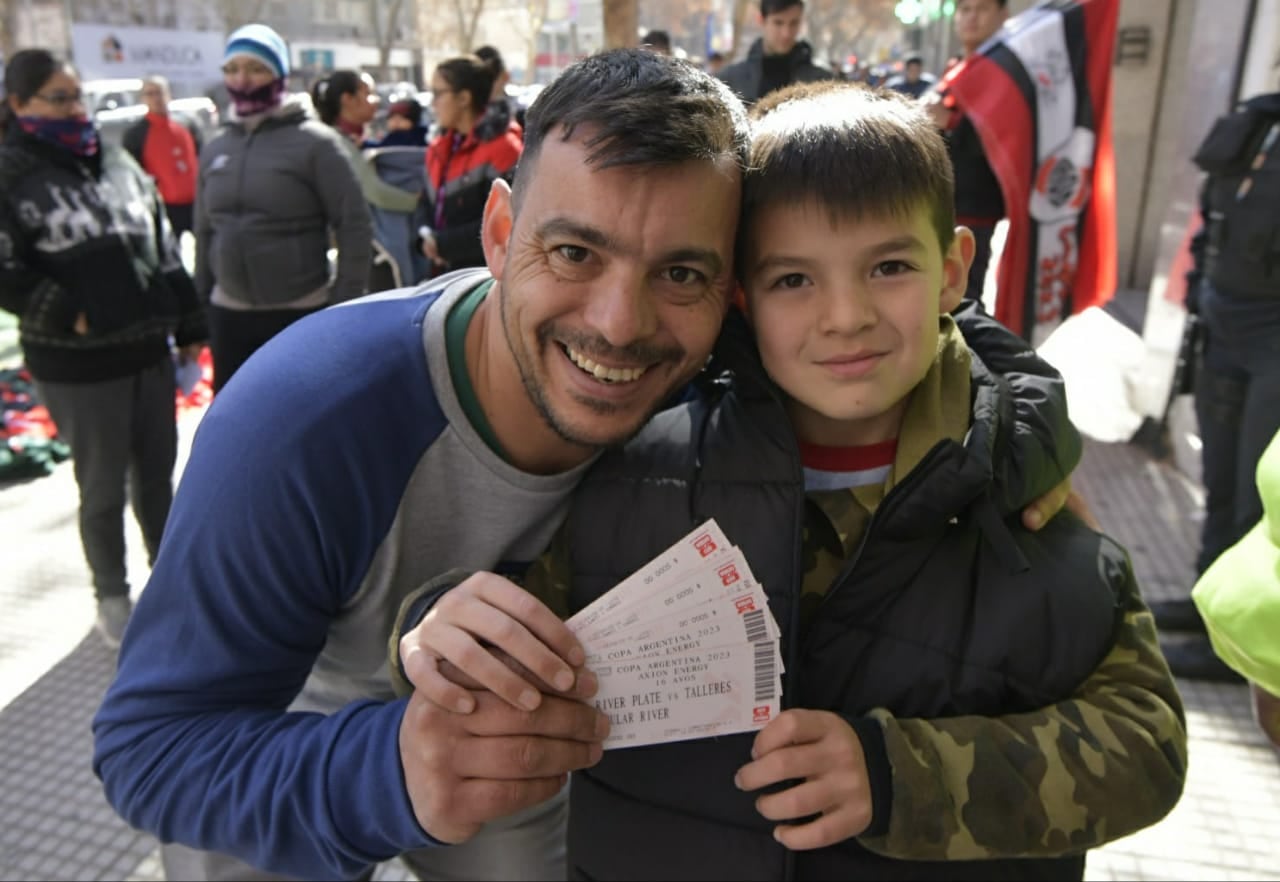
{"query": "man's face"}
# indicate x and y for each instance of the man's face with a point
(912, 72)
(613, 285)
(846, 314)
(781, 30)
(977, 21)
(155, 97)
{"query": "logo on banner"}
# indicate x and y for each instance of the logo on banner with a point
(112, 50)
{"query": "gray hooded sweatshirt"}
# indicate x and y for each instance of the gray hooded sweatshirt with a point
(268, 198)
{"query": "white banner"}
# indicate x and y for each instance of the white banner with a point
(191, 60)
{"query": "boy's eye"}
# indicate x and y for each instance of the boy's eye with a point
(791, 280)
(892, 268)
(683, 275)
(573, 253)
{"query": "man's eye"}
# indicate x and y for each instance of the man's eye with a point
(573, 253)
(683, 275)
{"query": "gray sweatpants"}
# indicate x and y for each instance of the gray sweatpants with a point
(529, 845)
(120, 431)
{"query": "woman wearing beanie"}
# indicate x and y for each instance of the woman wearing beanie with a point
(463, 161)
(90, 266)
(275, 185)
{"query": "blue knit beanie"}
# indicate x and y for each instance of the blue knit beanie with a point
(260, 42)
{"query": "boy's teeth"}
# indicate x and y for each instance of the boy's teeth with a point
(600, 372)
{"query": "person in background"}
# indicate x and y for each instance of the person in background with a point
(715, 63)
(913, 81)
(346, 100)
(89, 264)
(656, 41)
(404, 126)
(275, 186)
(500, 107)
(168, 150)
(979, 200)
(473, 150)
(778, 57)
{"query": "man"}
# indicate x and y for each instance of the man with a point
(979, 202)
(252, 712)
(1232, 296)
(167, 150)
(778, 57)
(715, 63)
(913, 81)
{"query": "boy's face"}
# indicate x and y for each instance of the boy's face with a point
(846, 316)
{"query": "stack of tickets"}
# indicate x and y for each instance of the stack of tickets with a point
(685, 647)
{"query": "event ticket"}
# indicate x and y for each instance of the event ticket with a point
(685, 647)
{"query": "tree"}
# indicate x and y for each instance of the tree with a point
(236, 13)
(467, 17)
(837, 27)
(8, 27)
(621, 23)
(529, 28)
(386, 26)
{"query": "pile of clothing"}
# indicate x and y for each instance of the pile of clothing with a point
(29, 445)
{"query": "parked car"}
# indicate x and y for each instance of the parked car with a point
(116, 104)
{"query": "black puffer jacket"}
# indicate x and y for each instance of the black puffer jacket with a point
(744, 77)
(89, 235)
(950, 608)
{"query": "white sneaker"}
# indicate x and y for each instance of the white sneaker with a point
(113, 615)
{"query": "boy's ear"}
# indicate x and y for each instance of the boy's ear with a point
(495, 229)
(955, 269)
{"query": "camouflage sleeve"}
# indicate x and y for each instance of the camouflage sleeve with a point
(1109, 760)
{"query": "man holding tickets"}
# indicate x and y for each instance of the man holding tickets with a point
(965, 698)
(252, 719)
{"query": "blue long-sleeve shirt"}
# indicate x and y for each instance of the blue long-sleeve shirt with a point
(252, 713)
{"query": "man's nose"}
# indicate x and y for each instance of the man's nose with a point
(622, 310)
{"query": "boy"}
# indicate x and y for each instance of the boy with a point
(966, 699)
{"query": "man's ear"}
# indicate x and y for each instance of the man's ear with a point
(495, 230)
(955, 269)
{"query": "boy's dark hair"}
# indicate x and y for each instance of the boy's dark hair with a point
(469, 73)
(640, 108)
(493, 58)
(856, 151)
(326, 94)
(657, 39)
(769, 7)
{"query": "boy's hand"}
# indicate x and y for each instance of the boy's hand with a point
(1038, 513)
(471, 626)
(823, 751)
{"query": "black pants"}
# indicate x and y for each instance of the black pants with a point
(121, 432)
(180, 218)
(235, 334)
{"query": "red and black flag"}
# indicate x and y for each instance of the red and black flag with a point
(1039, 95)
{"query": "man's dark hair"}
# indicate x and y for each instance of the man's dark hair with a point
(657, 39)
(769, 7)
(855, 151)
(639, 108)
(493, 58)
(913, 58)
(469, 73)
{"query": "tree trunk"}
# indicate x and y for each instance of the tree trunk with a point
(739, 16)
(8, 27)
(621, 23)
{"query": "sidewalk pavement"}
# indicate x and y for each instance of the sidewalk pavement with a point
(55, 824)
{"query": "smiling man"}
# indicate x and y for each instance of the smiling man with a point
(375, 447)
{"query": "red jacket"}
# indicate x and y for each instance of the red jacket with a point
(460, 171)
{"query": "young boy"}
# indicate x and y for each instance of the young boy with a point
(967, 699)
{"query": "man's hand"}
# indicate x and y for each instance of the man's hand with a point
(472, 626)
(81, 325)
(824, 752)
(1038, 513)
(938, 111)
(462, 771)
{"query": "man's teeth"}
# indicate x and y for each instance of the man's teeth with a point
(600, 372)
